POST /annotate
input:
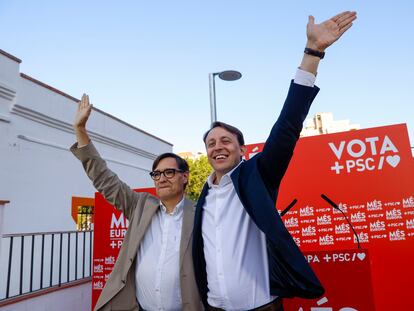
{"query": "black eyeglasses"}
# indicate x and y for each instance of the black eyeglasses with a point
(168, 173)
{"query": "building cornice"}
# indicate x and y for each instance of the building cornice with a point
(50, 88)
(38, 117)
(25, 76)
(10, 56)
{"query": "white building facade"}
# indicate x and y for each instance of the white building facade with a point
(38, 174)
(324, 123)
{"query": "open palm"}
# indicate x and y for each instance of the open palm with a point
(321, 36)
(83, 112)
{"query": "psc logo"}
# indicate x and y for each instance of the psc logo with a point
(364, 155)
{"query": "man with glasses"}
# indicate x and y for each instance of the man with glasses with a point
(154, 269)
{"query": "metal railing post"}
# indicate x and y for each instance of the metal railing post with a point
(76, 256)
(21, 265)
(9, 268)
(41, 261)
(31, 264)
(83, 255)
(51, 260)
(60, 258)
(68, 256)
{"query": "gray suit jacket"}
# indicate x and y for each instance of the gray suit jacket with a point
(139, 208)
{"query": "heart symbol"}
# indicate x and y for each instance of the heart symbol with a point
(361, 256)
(393, 160)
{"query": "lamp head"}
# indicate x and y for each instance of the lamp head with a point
(230, 75)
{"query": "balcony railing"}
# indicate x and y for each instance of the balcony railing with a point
(32, 262)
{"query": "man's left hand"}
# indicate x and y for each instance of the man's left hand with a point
(321, 36)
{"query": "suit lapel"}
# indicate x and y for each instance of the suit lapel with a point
(187, 228)
(138, 230)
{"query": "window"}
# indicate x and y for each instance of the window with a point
(85, 218)
(83, 212)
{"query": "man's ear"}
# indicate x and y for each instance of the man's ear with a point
(243, 150)
(186, 175)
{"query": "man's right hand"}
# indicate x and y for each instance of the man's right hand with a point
(83, 112)
(82, 116)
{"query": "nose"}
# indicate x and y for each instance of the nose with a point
(217, 147)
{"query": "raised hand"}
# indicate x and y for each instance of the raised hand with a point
(82, 116)
(321, 36)
(83, 112)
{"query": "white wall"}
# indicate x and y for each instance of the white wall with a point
(38, 173)
(2, 205)
(74, 298)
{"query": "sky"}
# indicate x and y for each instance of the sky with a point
(147, 62)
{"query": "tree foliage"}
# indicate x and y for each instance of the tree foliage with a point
(200, 169)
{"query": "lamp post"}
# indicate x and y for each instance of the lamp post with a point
(228, 75)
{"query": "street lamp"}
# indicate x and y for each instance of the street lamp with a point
(228, 75)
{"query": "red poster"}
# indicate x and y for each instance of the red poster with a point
(110, 227)
(369, 174)
(346, 276)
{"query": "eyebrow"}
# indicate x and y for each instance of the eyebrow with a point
(167, 168)
(220, 138)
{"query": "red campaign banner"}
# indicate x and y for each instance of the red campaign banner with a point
(346, 275)
(369, 174)
(110, 227)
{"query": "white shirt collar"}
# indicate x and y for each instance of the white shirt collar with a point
(225, 179)
(177, 210)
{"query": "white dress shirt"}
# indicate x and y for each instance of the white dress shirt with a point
(234, 247)
(235, 251)
(157, 276)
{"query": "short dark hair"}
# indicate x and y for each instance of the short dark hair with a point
(230, 128)
(181, 163)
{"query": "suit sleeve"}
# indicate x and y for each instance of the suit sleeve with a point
(278, 150)
(105, 181)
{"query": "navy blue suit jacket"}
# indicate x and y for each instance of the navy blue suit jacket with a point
(256, 182)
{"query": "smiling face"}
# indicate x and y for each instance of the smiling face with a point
(223, 150)
(170, 189)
